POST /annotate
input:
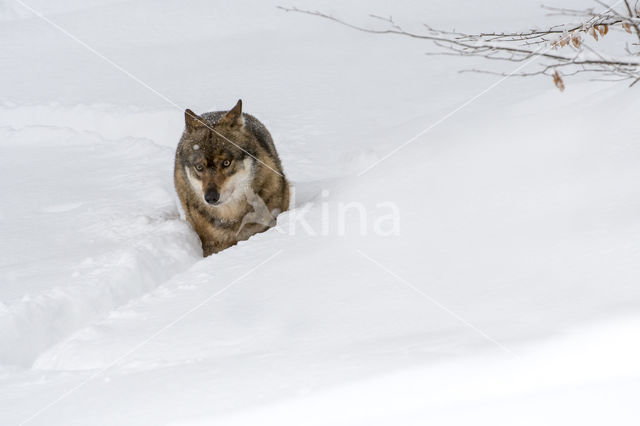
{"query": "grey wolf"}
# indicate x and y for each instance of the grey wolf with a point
(229, 177)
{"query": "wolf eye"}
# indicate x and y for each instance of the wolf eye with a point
(226, 163)
(199, 167)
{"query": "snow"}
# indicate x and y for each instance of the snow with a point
(506, 294)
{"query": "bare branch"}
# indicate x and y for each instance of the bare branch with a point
(562, 47)
(633, 22)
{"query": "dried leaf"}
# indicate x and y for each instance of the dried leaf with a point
(601, 29)
(627, 27)
(576, 41)
(594, 33)
(557, 80)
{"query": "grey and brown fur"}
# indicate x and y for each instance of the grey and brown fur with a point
(228, 177)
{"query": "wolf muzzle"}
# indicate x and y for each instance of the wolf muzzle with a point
(212, 196)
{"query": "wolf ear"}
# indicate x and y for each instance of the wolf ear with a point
(234, 117)
(193, 121)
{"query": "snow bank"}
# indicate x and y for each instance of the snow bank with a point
(581, 378)
(118, 231)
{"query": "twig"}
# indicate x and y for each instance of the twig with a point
(521, 46)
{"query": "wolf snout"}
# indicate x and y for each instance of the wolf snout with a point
(212, 196)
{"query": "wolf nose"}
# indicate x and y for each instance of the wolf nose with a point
(212, 196)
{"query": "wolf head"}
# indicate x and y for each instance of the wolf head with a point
(216, 156)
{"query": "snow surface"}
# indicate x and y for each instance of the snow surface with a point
(508, 296)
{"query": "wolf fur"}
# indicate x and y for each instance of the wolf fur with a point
(228, 177)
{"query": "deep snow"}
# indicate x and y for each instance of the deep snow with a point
(509, 295)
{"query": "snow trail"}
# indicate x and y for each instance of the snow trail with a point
(118, 228)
